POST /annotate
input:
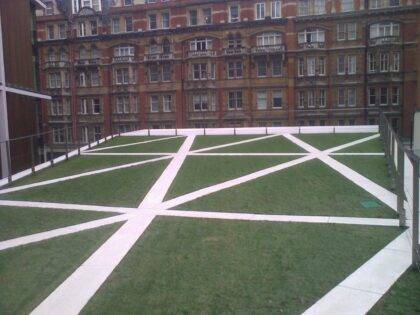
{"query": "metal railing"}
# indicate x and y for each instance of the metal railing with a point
(404, 167)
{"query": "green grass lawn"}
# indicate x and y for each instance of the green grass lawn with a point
(80, 164)
(371, 146)
(28, 274)
(277, 144)
(199, 171)
(125, 187)
(201, 142)
(311, 188)
(327, 141)
(372, 167)
(15, 222)
(199, 266)
(126, 140)
(403, 298)
(165, 146)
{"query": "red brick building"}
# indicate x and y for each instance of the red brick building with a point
(128, 64)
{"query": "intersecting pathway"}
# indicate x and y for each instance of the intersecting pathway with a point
(362, 288)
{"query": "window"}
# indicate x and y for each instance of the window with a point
(83, 106)
(154, 104)
(234, 13)
(129, 24)
(59, 135)
(50, 32)
(165, 20)
(85, 134)
(384, 62)
(115, 25)
(384, 96)
(377, 4)
(351, 97)
(341, 97)
(207, 16)
(321, 65)
(235, 100)
(234, 69)
(93, 27)
(395, 66)
(311, 98)
(201, 44)
(395, 95)
(372, 96)
(262, 100)
(128, 2)
(311, 66)
(347, 5)
(193, 18)
(167, 103)
(234, 42)
(346, 31)
(94, 78)
(277, 99)
(122, 76)
(122, 51)
(302, 99)
(82, 79)
(276, 9)
(166, 72)
(322, 98)
(314, 36)
(260, 11)
(301, 67)
(153, 73)
(123, 105)
(261, 68)
(269, 39)
(319, 7)
(55, 80)
(49, 8)
(351, 64)
(152, 22)
(96, 106)
(166, 46)
(62, 31)
(277, 66)
(303, 7)
(200, 71)
(384, 29)
(56, 108)
(200, 102)
(371, 62)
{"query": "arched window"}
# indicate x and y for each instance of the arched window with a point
(124, 50)
(269, 39)
(385, 29)
(166, 46)
(311, 36)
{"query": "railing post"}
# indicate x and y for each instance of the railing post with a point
(31, 143)
(66, 143)
(400, 186)
(415, 240)
(78, 146)
(51, 150)
(9, 162)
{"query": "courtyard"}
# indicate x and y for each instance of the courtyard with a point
(269, 223)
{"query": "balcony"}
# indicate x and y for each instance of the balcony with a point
(123, 59)
(87, 62)
(201, 53)
(268, 49)
(56, 64)
(167, 56)
(386, 40)
(234, 51)
(314, 45)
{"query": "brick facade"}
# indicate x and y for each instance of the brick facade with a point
(195, 63)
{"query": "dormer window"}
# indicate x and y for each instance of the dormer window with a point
(311, 36)
(387, 29)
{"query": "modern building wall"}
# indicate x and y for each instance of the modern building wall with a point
(123, 65)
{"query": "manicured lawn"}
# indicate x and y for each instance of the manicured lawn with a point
(125, 187)
(199, 266)
(372, 167)
(199, 171)
(327, 141)
(15, 222)
(164, 146)
(201, 142)
(277, 144)
(311, 188)
(371, 146)
(403, 298)
(126, 140)
(28, 274)
(77, 165)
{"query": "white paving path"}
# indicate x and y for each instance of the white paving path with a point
(363, 288)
